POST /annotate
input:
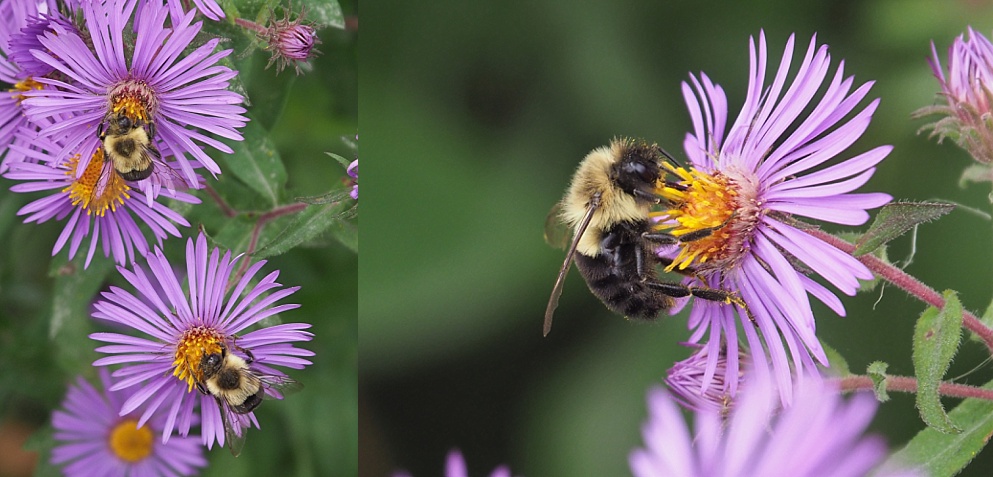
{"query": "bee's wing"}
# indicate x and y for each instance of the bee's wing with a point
(106, 169)
(553, 301)
(234, 434)
(279, 387)
(556, 231)
(166, 175)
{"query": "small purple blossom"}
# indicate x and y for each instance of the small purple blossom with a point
(699, 382)
(455, 467)
(821, 434)
(748, 181)
(15, 18)
(209, 9)
(968, 91)
(185, 96)
(353, 172)
(27, 39)
(93, 440)
(182, 324)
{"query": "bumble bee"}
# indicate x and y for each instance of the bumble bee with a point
(607, 208)
(238, 388)
(129, 145)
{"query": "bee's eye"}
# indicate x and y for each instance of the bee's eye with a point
(642, 170)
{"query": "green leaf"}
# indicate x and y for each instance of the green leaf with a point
(936, 339)
(839, 367)
(256, 162)
(895, 219)
(347, 232)
(235, 234)
(976, 173)
(341, 160)
(70, 324)
(333, 197)
(941, 454)
(877, 372)
(325, 13)
(986, 319)
(306, 225)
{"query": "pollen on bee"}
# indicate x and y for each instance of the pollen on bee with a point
(96, 189)
(195, 343)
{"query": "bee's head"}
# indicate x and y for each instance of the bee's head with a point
(115, 124)
(211, 363)
(638, 167)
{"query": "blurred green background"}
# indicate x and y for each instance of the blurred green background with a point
(313, 432)
(476, 115)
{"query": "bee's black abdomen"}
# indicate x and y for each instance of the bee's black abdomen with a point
(250, 403)
(137, 174)
(613, 274)
(621, 289)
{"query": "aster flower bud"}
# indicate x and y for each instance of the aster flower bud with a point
(966, 118)
(697, 386)
(291, 42)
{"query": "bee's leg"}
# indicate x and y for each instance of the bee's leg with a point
(151, 130)
(661, 238)
(100, 130)
(667, 238)
(200, 388)
(250, 358)
(677, 186)
(646, 196)
(639, 261)
(678, 290)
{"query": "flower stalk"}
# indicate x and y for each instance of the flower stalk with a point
(909, 284)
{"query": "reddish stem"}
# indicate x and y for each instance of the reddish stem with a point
(225, 208)
(257, 230)
(907, 384)
(250, 25)
(909, 284)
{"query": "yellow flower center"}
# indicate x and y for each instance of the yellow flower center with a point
(129, 442)
(700, 202)
(26, 84)
(196, 343)
(98, 188)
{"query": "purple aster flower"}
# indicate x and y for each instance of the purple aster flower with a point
(95, 202)
(209, 9)
(455, 467)
(821, 434)
(93, 440)
(968, 91)
(353, 172)
(16, 17)
(183, 328)
(26, 38)
(697, 387)
(780, 159)
(182, 97)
